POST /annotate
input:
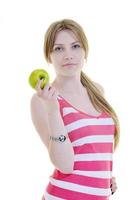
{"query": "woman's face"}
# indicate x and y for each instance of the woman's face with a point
(68, 55)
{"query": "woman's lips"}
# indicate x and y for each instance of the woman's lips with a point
(69, 65)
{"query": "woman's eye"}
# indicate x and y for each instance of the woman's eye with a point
(58, 49)
(76, 46)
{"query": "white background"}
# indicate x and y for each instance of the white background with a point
(24, 162)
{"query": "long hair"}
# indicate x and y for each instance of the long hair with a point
(96, 96)
(100, 103)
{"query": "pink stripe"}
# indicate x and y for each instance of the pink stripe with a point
(71, 195)
(91, 130)
(103, 147)
(93, 165)
(84, 180)
(81, 133)
(94, 148)
(71, 117)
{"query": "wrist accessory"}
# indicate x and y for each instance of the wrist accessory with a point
(60, 138)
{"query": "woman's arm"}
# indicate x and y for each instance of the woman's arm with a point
(52, 124)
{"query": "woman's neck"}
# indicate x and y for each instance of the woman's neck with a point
(69, 86)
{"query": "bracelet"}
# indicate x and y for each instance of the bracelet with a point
(60, 138)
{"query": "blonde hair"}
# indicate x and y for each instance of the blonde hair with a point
(96, 96)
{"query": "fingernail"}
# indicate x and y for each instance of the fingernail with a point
(112, 193)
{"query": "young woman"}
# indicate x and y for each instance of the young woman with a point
(74, 120)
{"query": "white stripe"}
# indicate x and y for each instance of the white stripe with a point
(88, 122)
(93, 157)
(80, 188)
(94, 174)
(66, 111)
(94, 139)
(48, 196)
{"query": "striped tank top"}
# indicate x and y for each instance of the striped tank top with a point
(92, 140)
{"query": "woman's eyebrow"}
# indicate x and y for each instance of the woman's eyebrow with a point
(71, 43)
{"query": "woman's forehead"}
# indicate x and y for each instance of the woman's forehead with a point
(65, 35)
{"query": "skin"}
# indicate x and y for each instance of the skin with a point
(68, 51)
(114, 185)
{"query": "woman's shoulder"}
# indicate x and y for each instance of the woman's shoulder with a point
(34, 97)
(36, 101)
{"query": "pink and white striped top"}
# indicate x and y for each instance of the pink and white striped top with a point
(92, 139)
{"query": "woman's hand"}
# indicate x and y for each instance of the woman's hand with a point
(113, 185)
(49, 96)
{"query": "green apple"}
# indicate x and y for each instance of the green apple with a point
(38, 74)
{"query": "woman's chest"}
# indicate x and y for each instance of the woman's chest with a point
(82, 104)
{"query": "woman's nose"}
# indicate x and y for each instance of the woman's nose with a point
(68, 55)
(68, 58)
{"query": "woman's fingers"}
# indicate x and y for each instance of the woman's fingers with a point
(113, 185)
(38, 84)
(43, 197)
(47, 92)
(51, 92)
(38, 87)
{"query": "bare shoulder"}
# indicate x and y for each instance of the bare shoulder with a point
(37, 108)
(35, 98)
(99, 86)
(36, 103)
